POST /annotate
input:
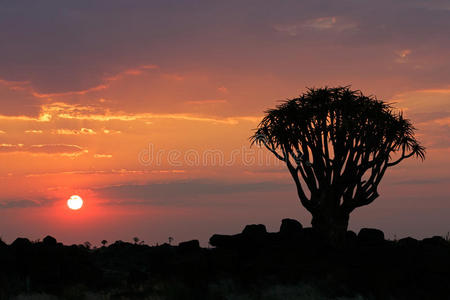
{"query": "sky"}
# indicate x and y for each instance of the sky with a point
(145, 109)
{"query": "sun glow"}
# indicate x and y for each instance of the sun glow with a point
(75, 202)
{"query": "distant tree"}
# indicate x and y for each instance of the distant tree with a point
(170, 240)
(337, 143)
(104, 242)
(87, 245)
(136, 240)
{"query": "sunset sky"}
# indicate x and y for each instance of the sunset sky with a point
(144, 109)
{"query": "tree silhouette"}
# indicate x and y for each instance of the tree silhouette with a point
(337, 143)
(104, 242)
(136, 239)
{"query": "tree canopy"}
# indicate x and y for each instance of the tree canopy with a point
(339, 143)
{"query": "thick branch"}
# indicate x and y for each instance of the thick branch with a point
(301, 194)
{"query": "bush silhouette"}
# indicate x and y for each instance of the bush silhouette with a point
(337, 143)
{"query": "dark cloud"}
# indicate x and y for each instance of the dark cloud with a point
(15, 100)
(422, 181)
(435, 5)
(62, 46)
(19, 203)
(438, 136)
(428, 116)
(71, 46)
(182, 192)
(281, 169)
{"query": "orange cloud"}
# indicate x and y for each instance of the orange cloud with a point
(435, 91)
(223, 89)
(63, 149)
(135, 71)
(43, 117)
(15, 85)
(402, 55)
(78, 112)
(86, 131)
(82, 92)
(111, 131)
(429, 111)
(212, 101)
(103, 155)
(34, 131)
(333, 23)
(175, 77)
(321, 23)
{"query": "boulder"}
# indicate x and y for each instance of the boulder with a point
(275, 238)
(21, 243)
(310, 236)
(408, 242)
(254, 235)
(49, 241)
(290, 227)
(436, 241)
(255, 230)
(370, 235)
(189, 246)
(222, 241)
(350, 238)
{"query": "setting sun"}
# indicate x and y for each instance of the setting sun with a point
(75, 202)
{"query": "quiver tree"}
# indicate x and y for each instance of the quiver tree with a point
(337, 145)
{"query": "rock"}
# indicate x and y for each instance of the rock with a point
(253, 236)
(21, 243)
(290, 227)
(350, 235)
(310, 236)
(255, 230)
(350, 238)
(49, 241)
(408, 242)
(222, 241)
(370, 235)
(189, 246)
(436, 241)
(275, 238)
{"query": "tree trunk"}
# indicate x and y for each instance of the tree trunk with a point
(331, 225)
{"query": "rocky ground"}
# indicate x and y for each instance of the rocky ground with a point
(293, 263)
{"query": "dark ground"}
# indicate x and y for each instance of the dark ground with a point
(291, 264)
